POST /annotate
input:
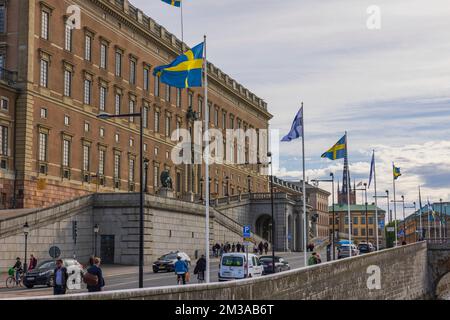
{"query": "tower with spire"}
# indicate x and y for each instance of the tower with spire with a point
(342, 193)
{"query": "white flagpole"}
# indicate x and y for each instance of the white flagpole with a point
(420, 215)
(348, 196)
(429, 222)
(376, 199)
(182, 25)
(395, 205)
(206, 163)
(305, 222)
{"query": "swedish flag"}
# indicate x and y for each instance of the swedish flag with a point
(396, 172)
(338, 151)
(185, 71)
(175, 3)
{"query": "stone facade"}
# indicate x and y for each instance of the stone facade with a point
(60, 141)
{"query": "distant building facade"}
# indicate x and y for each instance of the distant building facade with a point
(55, 80)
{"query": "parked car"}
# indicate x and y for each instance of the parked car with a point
(233, 266)
(43, 274)
(280, 264)
(167, 261)
(344, 251)
(366, 247)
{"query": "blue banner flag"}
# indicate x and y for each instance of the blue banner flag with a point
(338, 151)
(175, 3)
(372, 169)
(185, 71)
(296, 129)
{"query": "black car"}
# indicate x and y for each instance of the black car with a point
(280, 264)
(167, 261)
(43, 274)
(366, 247)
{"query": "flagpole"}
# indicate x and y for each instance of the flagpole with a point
(182, 25)
(429, 224)
(348, 196)
(305, 222)
(395, 204)
(206, 164)
(376, 198)
(420, 215)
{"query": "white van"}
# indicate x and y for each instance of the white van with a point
(233, 266)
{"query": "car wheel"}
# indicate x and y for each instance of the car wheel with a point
(155, 270)
(29, 286)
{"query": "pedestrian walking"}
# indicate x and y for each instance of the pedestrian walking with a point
(238, 247)
(33, 263)
(260, 248)
(255, 249)
(266, 247)
(314, 259)
(200, 268)
(94, 277)
(60, 278)
(233, 247)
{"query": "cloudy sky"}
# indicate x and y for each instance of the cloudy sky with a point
(389, 88)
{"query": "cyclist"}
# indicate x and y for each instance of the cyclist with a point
(181, 268)
(18, 269)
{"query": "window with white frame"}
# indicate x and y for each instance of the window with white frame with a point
(103, 55)
(118, 64)
(44, 113)
(117, 138)
(45, 17)
(103, 92)
(102, 132)
(67, 83)
(66, 153)
(131, 170)
(145, 117)
(2, 18)
(178, 97)
(117, 103)
(3, 141)
(167, 125)
(146, 78)
(168, 92)
(67, 37)
(156, 175)
(132, 106)
(66, 120)
(87, 91)
(86, 157)
(87, 126)
(133, 71)
(44, 73)
(88, 47)
(43, 146)
(116, 166)
(156, 121)
(156, 86)
(101, 162)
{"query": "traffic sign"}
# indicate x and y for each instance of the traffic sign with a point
(246, 232)
(381, 224)
(54, 252)
(390, 229)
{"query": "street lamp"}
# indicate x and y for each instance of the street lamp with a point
(333, 236)
(367, 215)
(388, 209)
(440, 219)
(26, 231)
(140, 115)
(192, 116)
(269, 155)
(96, 230)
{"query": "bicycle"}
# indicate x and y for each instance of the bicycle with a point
(11, 280)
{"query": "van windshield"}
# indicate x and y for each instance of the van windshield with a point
(231, 261)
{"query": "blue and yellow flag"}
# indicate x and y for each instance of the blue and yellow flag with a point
(175, 3)
(338, 151)
(185, 71)
(396, 172)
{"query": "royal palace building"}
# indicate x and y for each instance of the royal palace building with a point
(63, 62)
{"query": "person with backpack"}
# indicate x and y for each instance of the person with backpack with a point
(313, 259)
(94, 277)
(181, 269)
(60, 278)
(17, 267)
(200, 269)
(33, 263)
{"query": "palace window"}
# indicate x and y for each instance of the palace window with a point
(45, 17)
(145, 117)
(103, 55)
(66, 153)
(67, 83)
(156, 86)
(4, 104)
(3, 141)
(156, 175)
(132, 71)
(168, 92)
(101, 162)
(68, 37)
(178, 97)
(118, 64)
(132, 105)
(131, 170)
(43, 146)
(116, 166)
(86, 157)
(87, 91)
(167, 125)
(118, 100)
(87, 47)
(156, 121)
(44, 73)
(146, 78)
(103, 92)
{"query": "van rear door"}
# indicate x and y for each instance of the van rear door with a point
(232, 267)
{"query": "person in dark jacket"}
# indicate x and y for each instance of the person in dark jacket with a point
(18, 269)
(96, 271)
(200, 269)
(266, 247)
(60, 278)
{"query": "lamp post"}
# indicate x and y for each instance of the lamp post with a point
(146, 165)
(96, 230)
(26, 231)
(192, 116)
(367, 214)
(269, 155)
(106, 116)
(415, 208)
(404, 220)
(333, 236)
(440, 219)
(388, 209)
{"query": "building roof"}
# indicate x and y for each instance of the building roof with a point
(355, 207)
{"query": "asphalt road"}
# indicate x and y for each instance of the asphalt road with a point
(129, 279)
